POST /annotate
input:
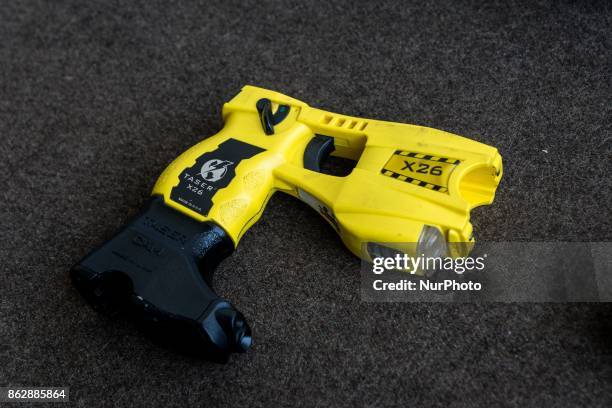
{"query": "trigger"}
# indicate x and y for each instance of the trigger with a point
(318, 149)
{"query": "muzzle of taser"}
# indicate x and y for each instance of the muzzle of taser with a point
(158, 269)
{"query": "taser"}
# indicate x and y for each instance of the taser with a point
(410, 184)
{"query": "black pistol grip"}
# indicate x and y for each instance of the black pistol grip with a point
(158, 269)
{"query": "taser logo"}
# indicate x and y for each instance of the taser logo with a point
(212, 171)
(215, 169)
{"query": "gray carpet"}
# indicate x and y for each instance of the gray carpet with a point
(97, 98)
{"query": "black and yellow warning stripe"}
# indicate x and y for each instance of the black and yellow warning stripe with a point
(427, 157)
(414, 181)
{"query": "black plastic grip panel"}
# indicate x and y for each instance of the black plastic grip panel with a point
(158, 269)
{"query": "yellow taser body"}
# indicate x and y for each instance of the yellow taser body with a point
(406, 177)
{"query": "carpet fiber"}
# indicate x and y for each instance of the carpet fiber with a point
(97, 98)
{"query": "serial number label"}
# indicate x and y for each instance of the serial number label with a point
(33, 394)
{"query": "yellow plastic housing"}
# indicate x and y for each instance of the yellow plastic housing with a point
(406, 176)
